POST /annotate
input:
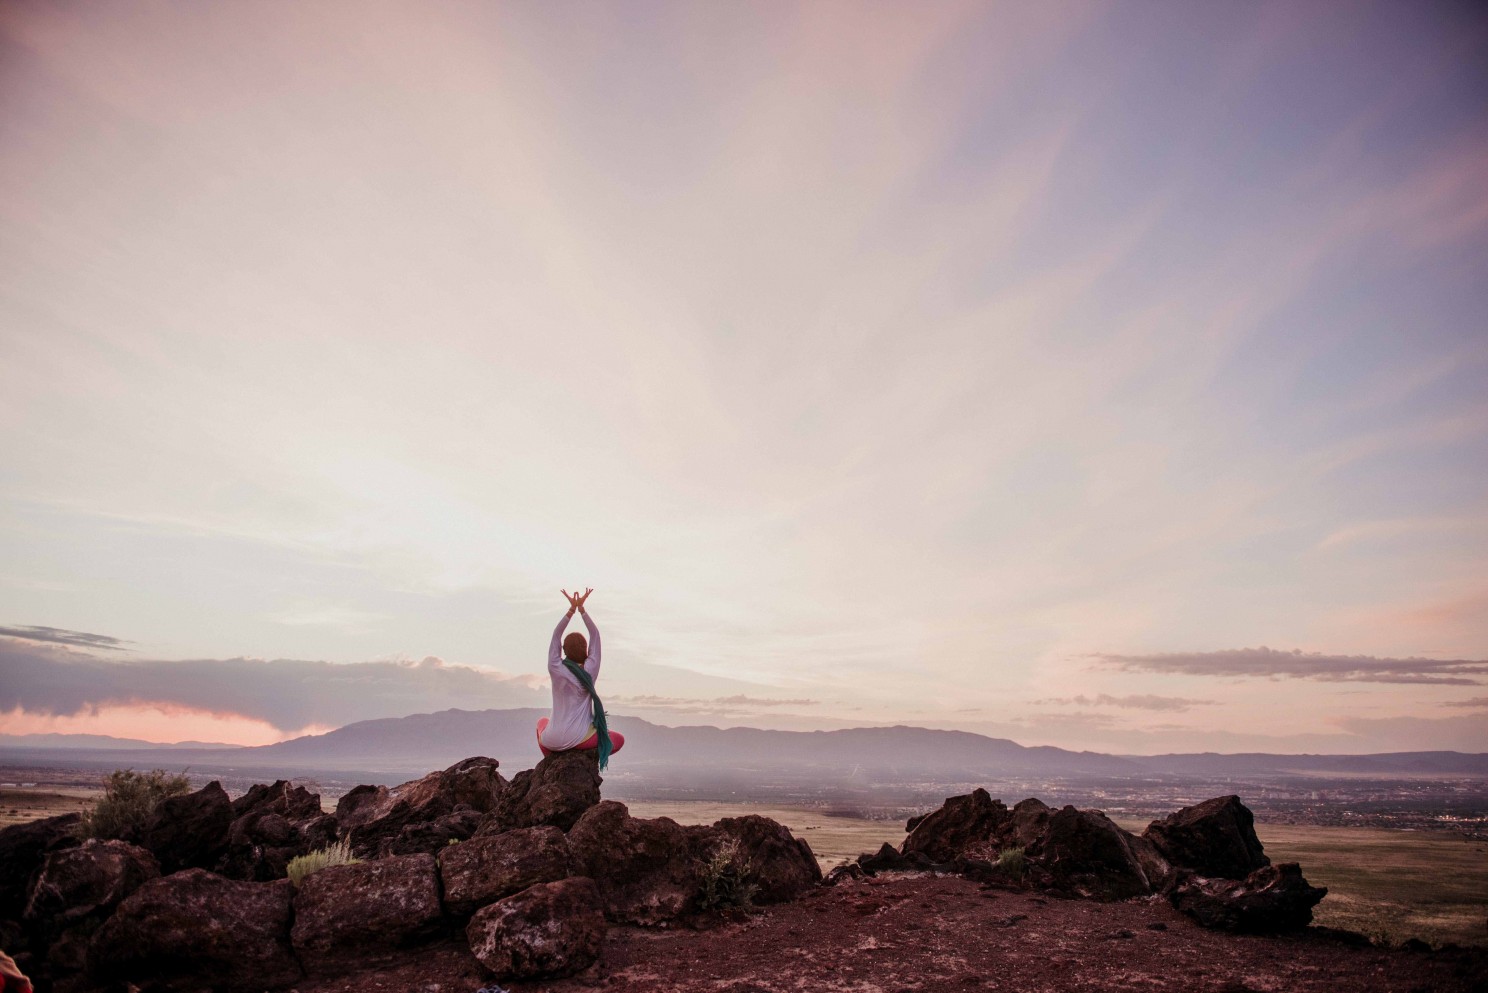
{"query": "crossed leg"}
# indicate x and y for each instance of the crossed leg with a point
(617, 740)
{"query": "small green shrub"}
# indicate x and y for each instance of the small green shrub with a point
(726, 878)
(322, 858)
(1012, 861)
(129, 798)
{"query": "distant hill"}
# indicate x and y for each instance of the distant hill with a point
(97, 741)
(405, 746)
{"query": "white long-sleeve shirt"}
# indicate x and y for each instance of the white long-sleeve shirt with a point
(572, 719)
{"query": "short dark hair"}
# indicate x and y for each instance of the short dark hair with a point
(575, 647)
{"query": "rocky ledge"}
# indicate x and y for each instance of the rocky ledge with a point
(467, 877)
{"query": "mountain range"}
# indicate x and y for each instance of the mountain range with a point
(391, 748)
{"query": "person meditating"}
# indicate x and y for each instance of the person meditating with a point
(578, 719)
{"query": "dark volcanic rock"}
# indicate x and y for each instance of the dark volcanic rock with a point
(556, 791)
(1215, 838)
(784, 866)
(87, 881)
(189, 830)
(1085, 854)
(962, 821)
(23, 847)
(483, 870)
(547, 930)
(196, 930)
(347, 917)
(1271, 899)
(650, 870)
(1029, 820)
(848, 870)
(417, 816)
(887, 859)
(647, 870)
(291, 802)
(271, 826)
(362, 805)
(435, 836)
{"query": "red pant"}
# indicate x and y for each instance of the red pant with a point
(617, 740)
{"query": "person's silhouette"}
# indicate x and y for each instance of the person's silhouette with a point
(578, 718)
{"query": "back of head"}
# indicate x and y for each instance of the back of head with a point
(575, 647)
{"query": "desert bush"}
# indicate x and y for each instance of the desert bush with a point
(129, 798)
(1012, 861)
(726, 878)
(338, 853)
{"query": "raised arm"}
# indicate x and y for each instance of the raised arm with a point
(591, 664)
(555, 650)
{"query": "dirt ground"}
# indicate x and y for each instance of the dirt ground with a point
(20, 806)
(915, 933)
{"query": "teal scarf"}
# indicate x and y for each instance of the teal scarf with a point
(599, 714)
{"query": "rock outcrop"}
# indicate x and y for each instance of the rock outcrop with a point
(1206, 858)
(646, 869)
(422, 815)
(650, 870)
(1085, 854)
(1271, 899)
(960, 823)
(88, 881)
(366, 914)
(486, 869)
(273, 824)
(557, 791)
(1215, 838)
(197, 930)
(546, 930)
(23, 847)
(783, 866)
(190, 830)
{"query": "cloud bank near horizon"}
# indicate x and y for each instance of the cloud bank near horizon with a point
(289, 694)
(1276, 664)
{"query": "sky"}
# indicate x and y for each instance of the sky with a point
(1109, 376)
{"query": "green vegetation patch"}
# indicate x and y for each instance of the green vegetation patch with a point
(129, 798)
(322, 858)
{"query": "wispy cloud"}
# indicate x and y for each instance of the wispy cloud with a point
(1274, 664)
(1137, 701)
(61, 636)
(738, 701)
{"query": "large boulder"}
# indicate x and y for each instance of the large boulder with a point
(88, 881)
(271, 826)
(962, 822)
(436, 835)
(650, 870)
(647, 869)
(1084, 853)
(190, 829)
(422, 815)
(281, 797)
(1272, 899)
(23, 848)
(782, 865)
(1215, 838)
(348, 917)
(196, 930)
(557, 791)
(1029, 820)
(546, 930)
(483, 870)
